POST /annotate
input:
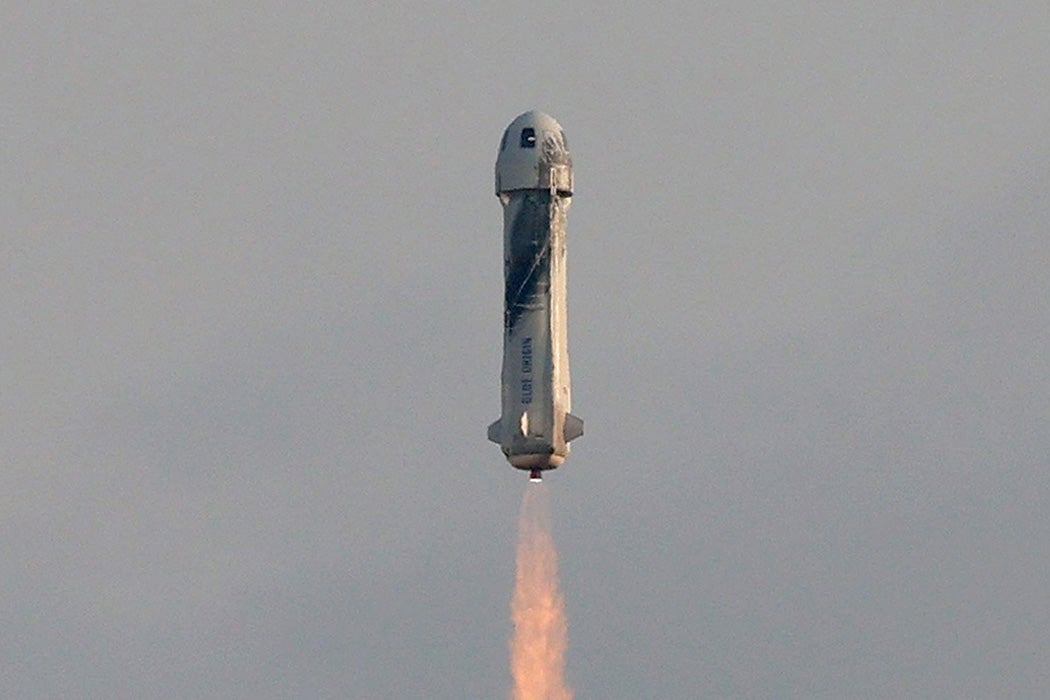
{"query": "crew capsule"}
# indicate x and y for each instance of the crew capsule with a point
(534, 155)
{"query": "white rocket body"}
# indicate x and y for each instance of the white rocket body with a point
(534, 184)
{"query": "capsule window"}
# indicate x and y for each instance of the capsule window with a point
(528, 137)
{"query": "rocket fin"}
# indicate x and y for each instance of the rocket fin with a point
(496, 432)
(573, 427)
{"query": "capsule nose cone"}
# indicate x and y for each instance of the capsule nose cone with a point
(534, 154)
(536, 119)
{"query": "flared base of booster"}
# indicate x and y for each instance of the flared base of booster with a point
(536, 462)
(536, 454)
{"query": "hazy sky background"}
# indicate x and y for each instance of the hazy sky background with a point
(250, 291)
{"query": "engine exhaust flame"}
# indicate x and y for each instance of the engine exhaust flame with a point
(537, 649)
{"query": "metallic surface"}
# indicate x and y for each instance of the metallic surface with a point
(534, 182)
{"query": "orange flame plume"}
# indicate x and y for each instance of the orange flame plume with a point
(537, 649)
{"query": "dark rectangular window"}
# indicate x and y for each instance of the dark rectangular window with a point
(528, 137)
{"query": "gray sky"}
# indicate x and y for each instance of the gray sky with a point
(250, 281)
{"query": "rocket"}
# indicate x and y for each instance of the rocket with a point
(534, 184)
